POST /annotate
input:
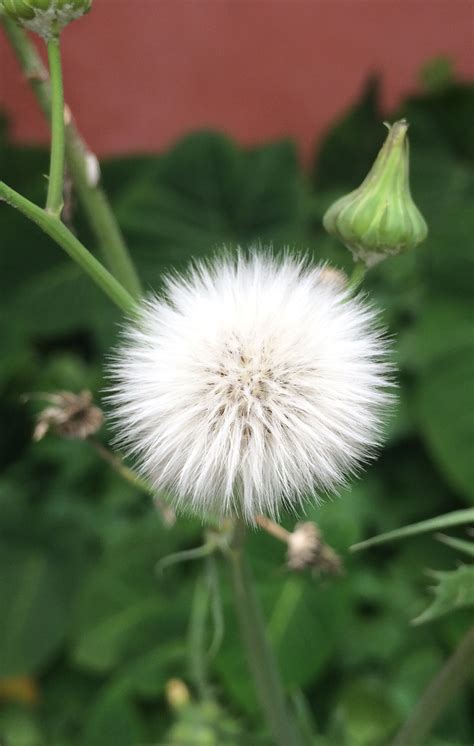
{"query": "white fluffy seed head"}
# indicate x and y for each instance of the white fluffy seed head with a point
(250, 383)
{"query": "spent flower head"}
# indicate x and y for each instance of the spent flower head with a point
(250, 383)
(68, 415)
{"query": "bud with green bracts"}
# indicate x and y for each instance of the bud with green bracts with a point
(380, 219)
(45, 17)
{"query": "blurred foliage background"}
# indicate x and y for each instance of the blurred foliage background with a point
(90, 635)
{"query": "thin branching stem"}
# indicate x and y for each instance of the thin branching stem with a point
(79, 160)
(68, 241)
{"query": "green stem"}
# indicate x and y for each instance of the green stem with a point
(259, 653)
(52, 225)
(357, 276)
(441, 691)
(167, 512)
(55, 201)
(197, 637)
(91, 195)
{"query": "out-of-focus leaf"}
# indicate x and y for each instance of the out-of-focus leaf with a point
(300, 620)
(441, 118)
(19, 727)
(34, 613)
(114, 720)
(445, 403)
(444, 327)
(367, 714)
(453, 590)
(346, 153)
(207, 192)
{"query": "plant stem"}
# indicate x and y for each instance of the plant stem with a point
(91, 195)
(455, 673)
(198, 628)
(358, 274)
(272, 528)
(55, 202)
(67, 240)
(167, 512)
(259, 653)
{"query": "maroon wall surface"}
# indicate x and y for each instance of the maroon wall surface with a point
(141, 73)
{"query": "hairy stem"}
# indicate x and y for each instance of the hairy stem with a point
(55, 202)
(68, 241)
(259, 653)
(79, 160)
(440, 692)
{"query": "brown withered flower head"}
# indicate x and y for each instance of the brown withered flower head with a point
(306, 549)
(68, 415)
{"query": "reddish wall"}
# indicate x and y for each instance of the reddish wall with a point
(140, 73)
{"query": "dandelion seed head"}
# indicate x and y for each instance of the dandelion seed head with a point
(250, 383)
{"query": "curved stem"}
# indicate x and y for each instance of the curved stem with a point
(259, 653)
(67, 240)
(55, 202)
(455, 673)
(78, 156)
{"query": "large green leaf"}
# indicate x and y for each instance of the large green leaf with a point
(453, 590)
(208, 192)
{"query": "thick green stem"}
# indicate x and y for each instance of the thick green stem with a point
(440, 692)
(52, 225)
(79, 159)
(259, 653)
(55, 201)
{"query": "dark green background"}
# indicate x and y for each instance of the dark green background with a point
(82, 610)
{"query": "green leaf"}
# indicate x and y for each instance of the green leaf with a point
(34, 610)
(19, 727)
(348, 150)
(453, 590)
(456, 518)
(207, 192)
(302, 617)
(367, 713)
(114, 720)
(445, 402)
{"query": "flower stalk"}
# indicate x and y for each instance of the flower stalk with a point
(55, 201)
(91, 195)
(259, 653)
(54, 228)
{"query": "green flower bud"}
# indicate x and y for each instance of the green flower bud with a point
(45, 17)
(380, 219)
